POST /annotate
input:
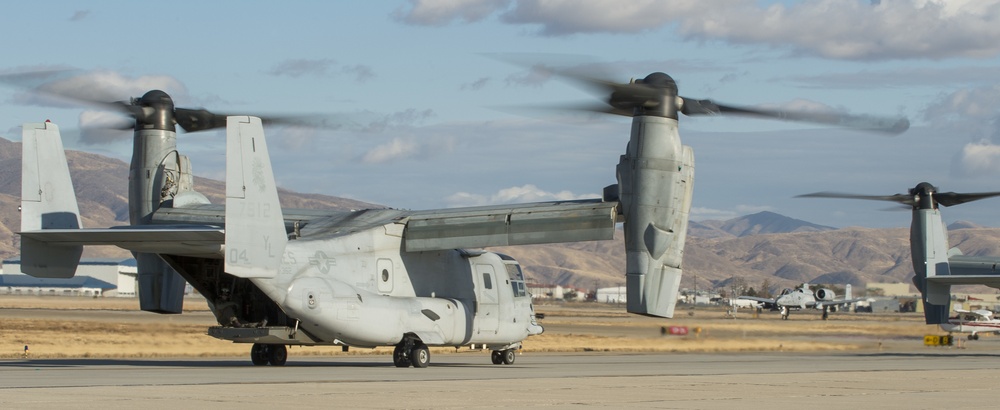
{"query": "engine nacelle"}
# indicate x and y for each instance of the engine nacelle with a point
(825, 294)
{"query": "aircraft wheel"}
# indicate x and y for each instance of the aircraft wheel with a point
(258, 354)
(277, 355)
(420, 356)
(497, 357)
(508, 356)
(399, 356)
(975, 337)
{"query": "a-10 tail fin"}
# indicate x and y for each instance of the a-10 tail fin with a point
(47, 202)
(255, 229)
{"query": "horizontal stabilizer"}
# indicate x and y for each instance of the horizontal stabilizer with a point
(197, 241)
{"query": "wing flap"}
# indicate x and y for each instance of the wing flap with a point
(523, 224)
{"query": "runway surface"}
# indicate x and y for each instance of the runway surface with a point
(924, 379)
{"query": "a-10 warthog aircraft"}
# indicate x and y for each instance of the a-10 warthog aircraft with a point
(376, 277)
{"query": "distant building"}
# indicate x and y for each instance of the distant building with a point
(558, 292)
(612, 295)
(107, 277)
(892, 289)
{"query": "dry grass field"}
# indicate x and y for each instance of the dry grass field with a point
(66, 327)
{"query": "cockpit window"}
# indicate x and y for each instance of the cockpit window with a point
(514, 271)
(516, 279)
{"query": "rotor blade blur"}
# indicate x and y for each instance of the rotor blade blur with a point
(200, 119)
(888, 125)
(900, 198)
(952, 198)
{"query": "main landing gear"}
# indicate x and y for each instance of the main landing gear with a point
(411, 352)
(262, 354)
(505, 356)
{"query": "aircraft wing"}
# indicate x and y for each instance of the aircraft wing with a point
(518, 224)
(821, 303)
(442, 229)
(754, 298)
(971, 270)
(200, 241)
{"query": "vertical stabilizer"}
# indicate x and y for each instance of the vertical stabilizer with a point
(255, 230)
(47, 202)
(848, 295)
(929, 246)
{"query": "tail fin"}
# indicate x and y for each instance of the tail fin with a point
(47, 202)
(255, 229)
(929, 246)
(847, 292)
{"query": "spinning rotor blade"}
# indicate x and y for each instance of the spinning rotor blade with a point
(692, 107)
(658, 90)
(922, 191)
(952, 198)
(900, 198)
(155, 109)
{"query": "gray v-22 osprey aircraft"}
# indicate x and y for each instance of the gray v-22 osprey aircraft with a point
(936, 265)
(378, 277)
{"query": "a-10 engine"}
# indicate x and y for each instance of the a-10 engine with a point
(825, 294)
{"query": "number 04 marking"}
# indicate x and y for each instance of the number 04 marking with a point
(238, 255)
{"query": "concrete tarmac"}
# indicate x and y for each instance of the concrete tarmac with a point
(934, 378)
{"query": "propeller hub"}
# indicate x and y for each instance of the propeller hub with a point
(661, 80)
(923, 195)
(655, 95)
(156, 111)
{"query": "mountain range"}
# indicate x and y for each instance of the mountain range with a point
(754, 248)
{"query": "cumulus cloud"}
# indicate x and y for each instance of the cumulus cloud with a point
(99, 86)
(399, 149)
(405, 118)
(319, 68)
(66, 88)
(103, 127)
(852, 30)
(513, 195)
(901, 77)
(972, 113)
(443, 12)
(982, 103)
(979, 159)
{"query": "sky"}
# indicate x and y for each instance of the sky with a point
(432, 113)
